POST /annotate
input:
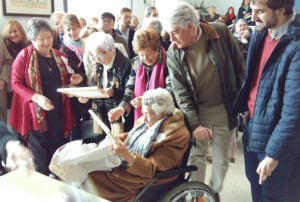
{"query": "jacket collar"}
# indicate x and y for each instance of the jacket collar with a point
(208, 30)
(294, 27)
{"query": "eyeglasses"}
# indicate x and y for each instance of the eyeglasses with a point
(148, 114)
(46, 39)
(99, 56)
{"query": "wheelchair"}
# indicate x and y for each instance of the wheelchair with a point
(179, 190)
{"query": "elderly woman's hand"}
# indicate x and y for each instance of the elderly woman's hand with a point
(18, 156)
(107, 92)
(121, 150)
(83, 99)
(43, 101)
(76, 79)
(137, 102)
(115, 113)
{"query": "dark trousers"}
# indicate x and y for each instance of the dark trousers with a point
(43, 145)
(294, 182)
(275, 188)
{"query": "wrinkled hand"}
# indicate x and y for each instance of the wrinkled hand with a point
(202, 133)
(2, 85)
(83, 99)
(76, 79)
(121, 150)
(115, 114)
(18, 156)
(137, 102)
(42, 101)
(107, 92)
(265, 168)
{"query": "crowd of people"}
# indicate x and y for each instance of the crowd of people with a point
(162, 84)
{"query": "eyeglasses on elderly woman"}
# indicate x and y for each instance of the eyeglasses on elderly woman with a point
(44, 39)
(98, 56)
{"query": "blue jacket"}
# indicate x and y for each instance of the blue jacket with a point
(276, 117)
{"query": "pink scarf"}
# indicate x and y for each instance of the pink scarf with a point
(79, 51)
(156, 80)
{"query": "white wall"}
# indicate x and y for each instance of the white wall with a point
(221, 5)
(58, 6)
(138, 8)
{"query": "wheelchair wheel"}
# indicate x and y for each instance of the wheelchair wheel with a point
(189, 192)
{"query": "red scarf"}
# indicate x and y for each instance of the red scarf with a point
(156, 80)
(231, 16)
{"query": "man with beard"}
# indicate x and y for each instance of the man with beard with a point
(124, 29)
(271, 96)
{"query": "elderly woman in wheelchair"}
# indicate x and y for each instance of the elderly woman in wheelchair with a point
(156, 143)
(154, 156)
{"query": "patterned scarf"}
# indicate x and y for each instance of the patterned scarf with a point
(36, 85)
(140, 139)
(156, 80)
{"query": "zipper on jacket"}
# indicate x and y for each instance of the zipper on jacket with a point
(250, 130)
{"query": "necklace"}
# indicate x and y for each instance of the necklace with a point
(48, 62)
(49, 66)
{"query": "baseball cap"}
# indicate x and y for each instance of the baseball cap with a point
(108, 15)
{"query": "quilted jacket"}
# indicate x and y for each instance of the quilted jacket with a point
(276, 118)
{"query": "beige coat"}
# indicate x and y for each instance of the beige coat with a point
(123, 184)
(5, 69)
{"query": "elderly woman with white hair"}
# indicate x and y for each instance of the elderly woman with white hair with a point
(107, 68)
(156, 143)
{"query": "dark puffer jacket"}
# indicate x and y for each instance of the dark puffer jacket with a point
(276, 118)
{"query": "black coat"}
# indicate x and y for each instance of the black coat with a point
(130, 39)
(117, 78)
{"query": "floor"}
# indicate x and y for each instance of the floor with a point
(236, 187)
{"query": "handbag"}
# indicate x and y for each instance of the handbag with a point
(90, 129)
(87, 129)
(117, 127)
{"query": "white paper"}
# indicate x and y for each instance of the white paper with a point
(103, 126)
(73, 161)
(89, 92)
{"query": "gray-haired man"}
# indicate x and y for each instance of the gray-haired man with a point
(206, 72)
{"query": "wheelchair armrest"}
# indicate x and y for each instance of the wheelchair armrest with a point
(175, 171)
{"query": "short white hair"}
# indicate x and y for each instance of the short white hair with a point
(154, 22)
(181, 14)
(100, 40)
(54, 14)
(160, 100)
